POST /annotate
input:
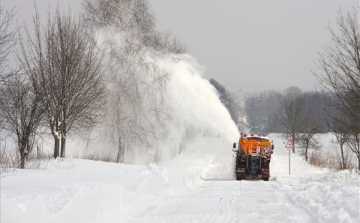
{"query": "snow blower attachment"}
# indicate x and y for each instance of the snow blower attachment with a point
(253, 155)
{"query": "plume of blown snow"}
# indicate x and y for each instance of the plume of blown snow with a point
(196, 110)
(192, 104)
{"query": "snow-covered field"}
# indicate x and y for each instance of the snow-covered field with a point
(194, 187)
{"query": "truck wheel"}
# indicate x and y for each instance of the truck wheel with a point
(238, 177)
(266, 178)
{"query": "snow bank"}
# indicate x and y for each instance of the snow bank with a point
(326, 195)
(83, 191)
(328, 198)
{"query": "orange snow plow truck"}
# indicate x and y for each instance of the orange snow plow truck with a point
(253, 155)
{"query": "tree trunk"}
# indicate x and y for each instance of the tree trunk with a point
(63, 143)
(293, 142)
(306, 149)
(63, 131)
(56, 146)
(37, 151)
(22, 157)
(24, 148)
(357, 149)
(343, 163)
(56, 134)
(121, 151)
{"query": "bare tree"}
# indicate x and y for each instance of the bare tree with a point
(298, 119)
(292, 113)
(352, 123)
(7, 41)
(339, 73)
(311, 123)
(354, 145)
(136, 109)
(19, 107)
(336, 124)
(165, 43)
(132, 17)
(64, 61)
(261, 112)
(309, 129)
(255, 114)
(342, 138)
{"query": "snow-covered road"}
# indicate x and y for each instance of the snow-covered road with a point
(228, 201)
(307, 194)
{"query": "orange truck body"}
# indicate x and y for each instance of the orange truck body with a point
(254, 145)
(253, 155)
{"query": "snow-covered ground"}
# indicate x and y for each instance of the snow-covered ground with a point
(194, 187)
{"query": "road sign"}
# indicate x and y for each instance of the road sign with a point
(289, 144)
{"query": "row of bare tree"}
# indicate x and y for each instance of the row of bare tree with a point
(58, 83)
(296, 113)
(340, 75)
(75, 73)
(302, 115)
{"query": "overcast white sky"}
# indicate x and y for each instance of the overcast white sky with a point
(253, 44)
(244, 44)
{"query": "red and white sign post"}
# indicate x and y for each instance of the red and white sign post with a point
(289, 145)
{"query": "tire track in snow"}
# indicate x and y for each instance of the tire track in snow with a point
(226, 201)
(255, 193)
(229, 201)
(226, 204)
(299, 210)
